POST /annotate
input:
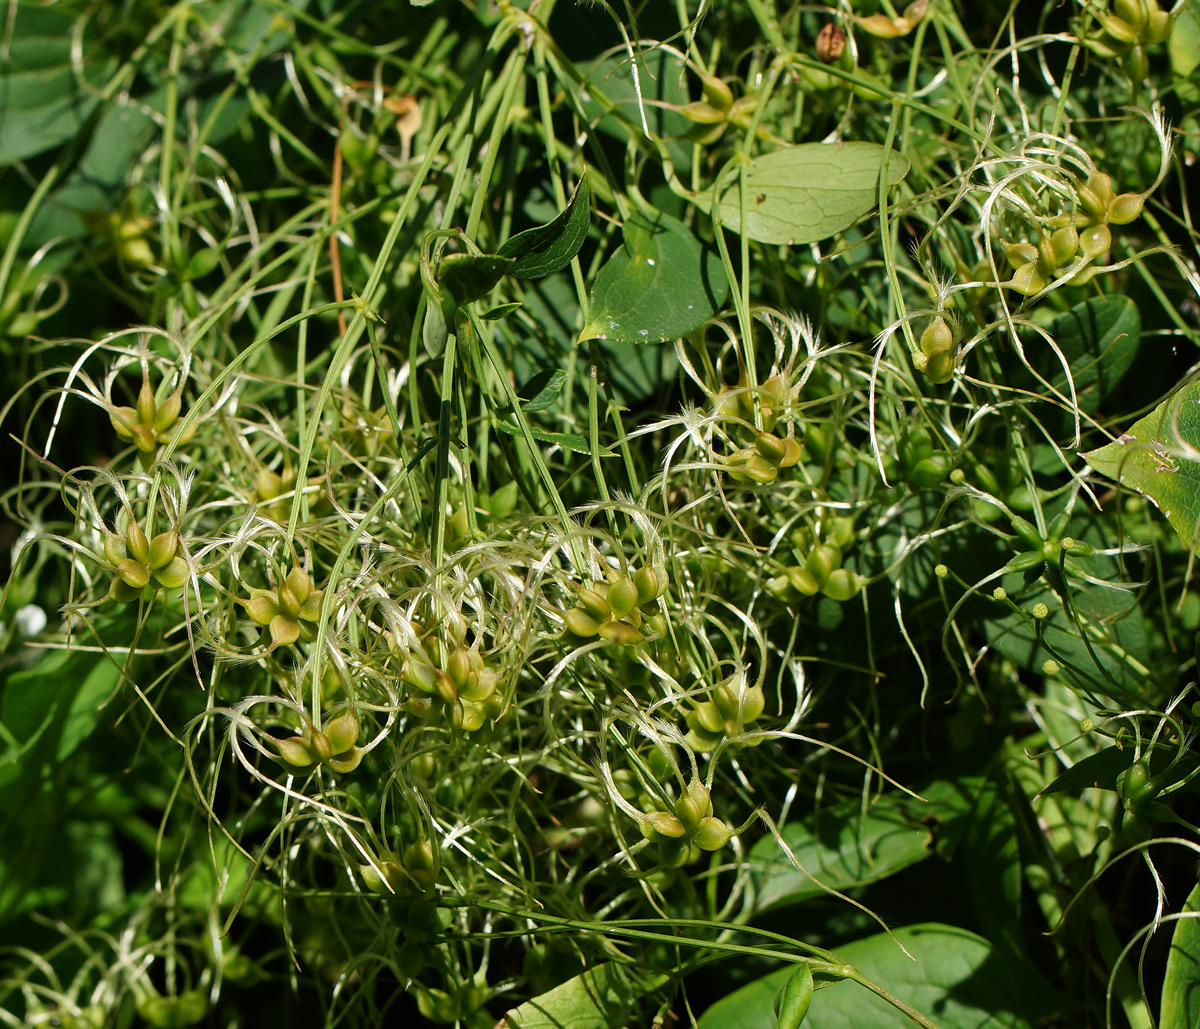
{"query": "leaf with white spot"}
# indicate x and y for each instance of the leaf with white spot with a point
(1159, 456)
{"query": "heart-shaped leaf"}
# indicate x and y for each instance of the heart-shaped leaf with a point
(662, 284)
(548, 248)
(1157, 456)
(809, 192)
(1099, 339)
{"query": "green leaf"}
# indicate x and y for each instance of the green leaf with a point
(42, 103)
(843, 846)
(600, 998)
(1099, 340)
(1181, 986)
(1157, 457)
(662, 284)
(548, 248)
(542, 390)
(1184, 47)
(1100, 770)
(565, 440)
(807, 193)
(957, 979)
(470, 277)
(661, 84)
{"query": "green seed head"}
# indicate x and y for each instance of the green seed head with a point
(582, 624)
(693, 805)
(937, 335)
(842, 585)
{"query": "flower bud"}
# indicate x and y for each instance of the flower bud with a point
(712, 834)
(621, 633)
(842, 585)
(822, 560)
(145, 404)
(937, 335)
(139, 546)
(261, 608)
(294, 751)
(650, 585)
(700, 113)
(693, 805)
(660, 826)
(1118, 29)
(319, 745)
(284, 632)
(1092, 205)
(1019, 254)
(1136, 64)
(1094, 241)
(792, 452)
(708, 717)
(716, 91)
(1064, 243)
(770, 446)
(174, 575)
(1133, 12)
(458, 666)
(1027, 280)
(133, 574)
(1125, 208)
(803, 581)
(163, 548)
(1158, 27)
(581, 623)
(594, 604)
(622, 597)
(168, 412)
(267, 485)
(342, 732)
(936, 365)
(882, 27)
(115, 550)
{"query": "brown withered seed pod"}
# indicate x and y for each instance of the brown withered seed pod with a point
(831, 41)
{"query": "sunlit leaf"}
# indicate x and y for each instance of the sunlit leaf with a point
(806, 193)
(1159, 456)
(548, 248)
(661, 284)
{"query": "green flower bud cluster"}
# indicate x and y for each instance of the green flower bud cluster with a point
(711, 116)
(289, 612)
(918, 461)
(163, 1012)
(820, 569)
(138, 562)
(689, 828)
(409, 873)
(937, 355)
(1130, 27)
(269, 485)
(149, 423)
(730, 711)
(333, 745)
(762, 463)
(1086, 231)
(452, 682)
(1051, 548)
(614, 611)
(772, 397)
